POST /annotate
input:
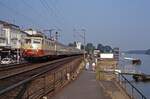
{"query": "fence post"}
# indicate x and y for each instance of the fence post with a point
(99, 75)
(54, 81)
(132, 93)
(61, 77)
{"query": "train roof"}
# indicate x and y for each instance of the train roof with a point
(9, 25)
(35, 35)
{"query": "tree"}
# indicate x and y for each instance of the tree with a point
(90, 48)
(72, 44)
(100, 47)
(107, 49)
(82, 47)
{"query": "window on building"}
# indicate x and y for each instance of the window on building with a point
(28, 41)
(2, 40)
(2, 33)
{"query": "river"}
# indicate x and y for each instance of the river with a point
(144, 87)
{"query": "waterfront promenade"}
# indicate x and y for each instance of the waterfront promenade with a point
(87, 87)
(84, 87)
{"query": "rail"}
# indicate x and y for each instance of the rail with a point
(12, 66)
(130, 88)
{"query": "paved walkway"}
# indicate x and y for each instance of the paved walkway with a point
(112, 89)
(84, 87)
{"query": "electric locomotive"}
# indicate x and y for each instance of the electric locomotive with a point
(38, 46)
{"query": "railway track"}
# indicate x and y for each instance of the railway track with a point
(13, 66)
(11, 70)
(19, 76)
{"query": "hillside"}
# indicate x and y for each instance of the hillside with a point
(136, 51)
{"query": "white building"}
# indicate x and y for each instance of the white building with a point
(96, 52)
(78, 45)
(11, 37)
(2, 36)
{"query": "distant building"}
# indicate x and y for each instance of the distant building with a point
(96, 52)
(11, 38)
(116, 53)
(78, 45)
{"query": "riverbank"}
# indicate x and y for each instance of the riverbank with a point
(144, 87)
(108, 81)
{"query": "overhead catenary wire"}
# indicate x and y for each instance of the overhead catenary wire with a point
(30, 20)
(49, 11)
(58, 13)
(55, 10)
(44, 18)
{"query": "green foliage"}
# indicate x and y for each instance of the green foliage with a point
(100, 47)
(89, 47)
(104, 49)
(107, 49)
(72, 44)
(82, 47)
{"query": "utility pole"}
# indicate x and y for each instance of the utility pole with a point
(84, 41)
(17, 48)
(56, 36)
(56, 40)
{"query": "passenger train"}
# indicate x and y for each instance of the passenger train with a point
(40, 47)
(30, 44)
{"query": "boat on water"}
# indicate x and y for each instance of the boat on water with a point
(135, 61)
(143, 77)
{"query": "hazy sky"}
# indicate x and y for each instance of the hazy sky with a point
(119, 23)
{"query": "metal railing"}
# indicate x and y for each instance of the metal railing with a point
(42, 83)
(133, 92)
(127, 86)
